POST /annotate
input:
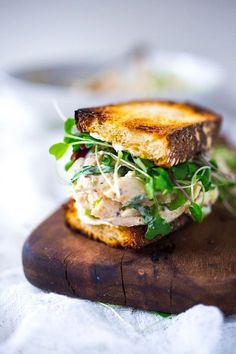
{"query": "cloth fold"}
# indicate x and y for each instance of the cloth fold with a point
(33, 321)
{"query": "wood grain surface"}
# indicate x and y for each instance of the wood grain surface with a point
(196, 264)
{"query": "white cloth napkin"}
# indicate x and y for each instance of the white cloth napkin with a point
(32, 321)
(35, 322)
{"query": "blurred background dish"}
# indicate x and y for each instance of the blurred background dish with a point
(143, 72)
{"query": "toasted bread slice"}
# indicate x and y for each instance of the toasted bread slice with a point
(115, 236)
(165, 132)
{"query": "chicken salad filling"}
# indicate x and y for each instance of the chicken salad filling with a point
(108, 199)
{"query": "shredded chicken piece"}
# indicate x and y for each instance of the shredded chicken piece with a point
(130, 186)
(99, 203)
(106, 208)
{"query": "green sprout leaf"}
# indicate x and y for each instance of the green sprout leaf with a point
(139, 162)
(149, 188)
(192, 168)
(107, 160)
(126, 156)
(162, 181)
(214, 164)
(135, 202)
(158, 226)
(162, 314)
(68, 125)
(205, 178)
(196, 212)
(68, 165)
(149, 164)
(58, 150)
(179, 200)
(162, 184)
(91, 170)
(180, 171)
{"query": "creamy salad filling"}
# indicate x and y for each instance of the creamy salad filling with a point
(100, 200)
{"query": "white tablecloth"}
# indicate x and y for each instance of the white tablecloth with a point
(35, 322)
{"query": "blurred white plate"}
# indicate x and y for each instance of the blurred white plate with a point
(178, 76)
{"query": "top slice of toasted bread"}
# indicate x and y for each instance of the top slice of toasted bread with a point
(166, 132)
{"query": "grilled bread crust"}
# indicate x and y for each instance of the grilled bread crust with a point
(115, 236)
(165, 132)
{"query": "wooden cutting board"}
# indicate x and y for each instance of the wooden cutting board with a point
(194, 265)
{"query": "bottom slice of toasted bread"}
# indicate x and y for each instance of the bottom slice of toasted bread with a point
(115, 236)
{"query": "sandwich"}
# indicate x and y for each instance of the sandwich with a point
(140, 170)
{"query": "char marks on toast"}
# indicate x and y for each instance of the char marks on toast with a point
(165, 132)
